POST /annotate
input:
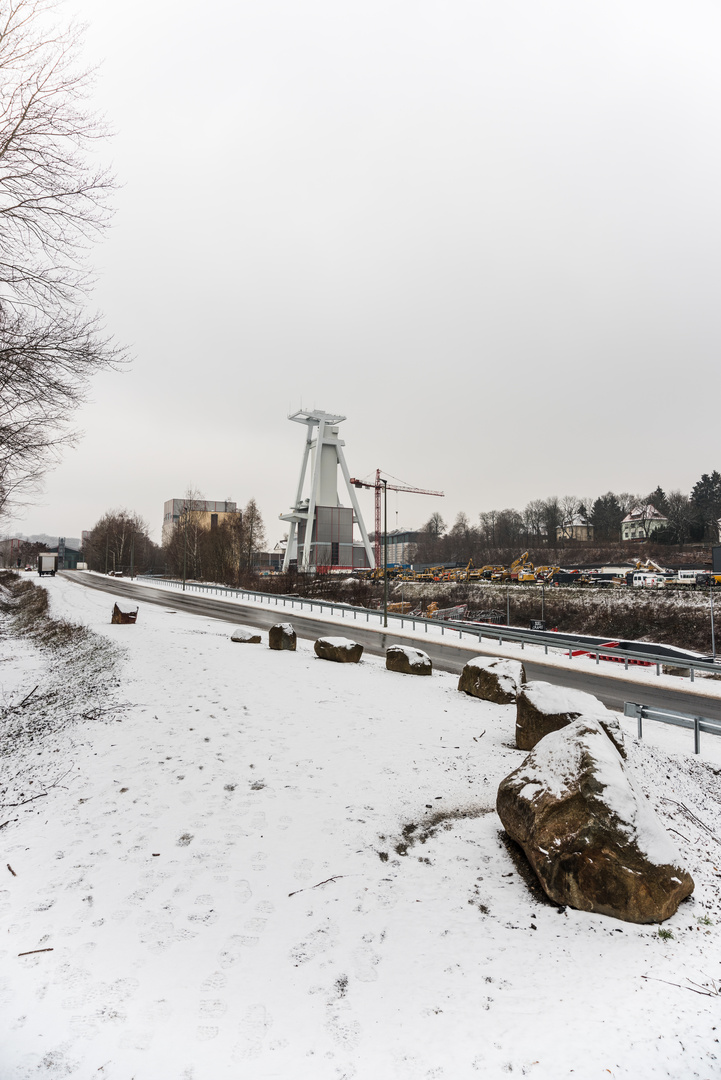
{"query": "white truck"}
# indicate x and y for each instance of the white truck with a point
(47, 563)
(648, 581)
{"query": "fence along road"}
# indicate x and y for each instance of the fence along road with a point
(447, 655)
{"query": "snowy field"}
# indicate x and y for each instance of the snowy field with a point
(250, 864)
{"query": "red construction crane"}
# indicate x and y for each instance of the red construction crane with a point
(378, 487)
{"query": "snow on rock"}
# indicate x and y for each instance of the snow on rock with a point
(282, 636)
(591, 837)
(543, 707)
(408, 661)
(246, 635)
(492, 679)
(340, 649)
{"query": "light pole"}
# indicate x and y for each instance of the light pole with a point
(713, 635)
(185, 545)
(543, 601)
(385, 551)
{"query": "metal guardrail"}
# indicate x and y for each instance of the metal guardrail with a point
(547, 639)
(668, 716)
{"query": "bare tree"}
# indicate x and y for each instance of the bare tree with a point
(118, 540)
(533, 519)
(53, 202)
(253, 533)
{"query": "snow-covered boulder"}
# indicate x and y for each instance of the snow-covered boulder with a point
(340, 649)
(591, 837)
(492, 679)
(542, 707)
(246, 635)
(282, 636)
(408, 661)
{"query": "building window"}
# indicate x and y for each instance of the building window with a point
(334, 553)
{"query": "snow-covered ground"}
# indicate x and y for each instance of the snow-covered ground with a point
(266, 865)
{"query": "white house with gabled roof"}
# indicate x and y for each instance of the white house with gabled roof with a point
(642, 523)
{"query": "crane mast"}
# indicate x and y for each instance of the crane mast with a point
(378, 487)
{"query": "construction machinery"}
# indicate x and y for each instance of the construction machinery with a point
(545, 573)
(521, 569)
(650, 566)
(378, 486)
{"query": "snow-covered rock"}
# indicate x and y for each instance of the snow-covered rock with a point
(408, 661)
(340, 649)
(492, 679)
(246, 635)
(543, 707)
(282, 636)
(592, 839)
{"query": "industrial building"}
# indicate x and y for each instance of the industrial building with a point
(209, 513)
(321, 532)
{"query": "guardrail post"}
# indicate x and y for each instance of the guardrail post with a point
(696, 735)
(597, 658)
(658, 669)
(626, 664)
(640, 721)
(691, 670)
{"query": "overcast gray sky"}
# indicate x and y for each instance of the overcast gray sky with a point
(487, 233)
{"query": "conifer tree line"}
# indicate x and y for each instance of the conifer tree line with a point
(691, 518)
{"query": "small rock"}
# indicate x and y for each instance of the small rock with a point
(542, 707)
(341, 650)
(408, 661)
(282, 636)
(492, 679)
(246, 636)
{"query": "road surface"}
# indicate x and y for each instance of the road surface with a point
(446, 655)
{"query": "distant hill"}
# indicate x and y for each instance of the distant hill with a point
(51, 541)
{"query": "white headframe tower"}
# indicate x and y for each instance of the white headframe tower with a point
(321, 529)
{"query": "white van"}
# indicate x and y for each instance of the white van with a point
(649, 581)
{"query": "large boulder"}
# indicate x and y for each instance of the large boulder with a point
(246, 636)
(492, 679)
(340, 649)
(591, 837)
(408, 661)
(542, 707)
(282, 636)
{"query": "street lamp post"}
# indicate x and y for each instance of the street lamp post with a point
(713, 635)
(543, 601)
(185, 544)
(385, 551)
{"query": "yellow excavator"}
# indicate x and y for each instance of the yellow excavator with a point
(521, 569)
(545, 573)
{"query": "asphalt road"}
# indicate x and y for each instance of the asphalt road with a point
(446, 655)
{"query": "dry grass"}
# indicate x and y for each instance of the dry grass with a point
(27, 606)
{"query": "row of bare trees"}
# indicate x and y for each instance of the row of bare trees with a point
(197, 549)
